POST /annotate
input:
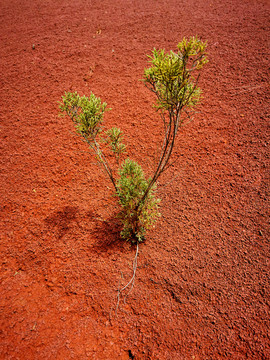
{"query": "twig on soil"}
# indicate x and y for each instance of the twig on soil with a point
(169, 182)
(246, 88)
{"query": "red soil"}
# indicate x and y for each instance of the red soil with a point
(202, 286)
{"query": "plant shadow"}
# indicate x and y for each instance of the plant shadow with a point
(61, 220)
(107, 234)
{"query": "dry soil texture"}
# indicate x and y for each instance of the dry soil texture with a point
(202, 286)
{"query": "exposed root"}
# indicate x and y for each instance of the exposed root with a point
(130, 284)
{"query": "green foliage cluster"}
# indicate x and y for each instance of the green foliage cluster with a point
(137, 216)
(86, 112)
(114, 139)
(173, 78)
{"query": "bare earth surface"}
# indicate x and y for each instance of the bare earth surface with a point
(202, 285)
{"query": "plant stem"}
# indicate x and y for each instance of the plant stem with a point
(102, 159)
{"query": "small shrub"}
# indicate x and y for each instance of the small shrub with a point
(173, 78)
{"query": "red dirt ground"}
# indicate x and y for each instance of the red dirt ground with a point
(202, 286)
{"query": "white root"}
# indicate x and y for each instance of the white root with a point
(130, 283)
